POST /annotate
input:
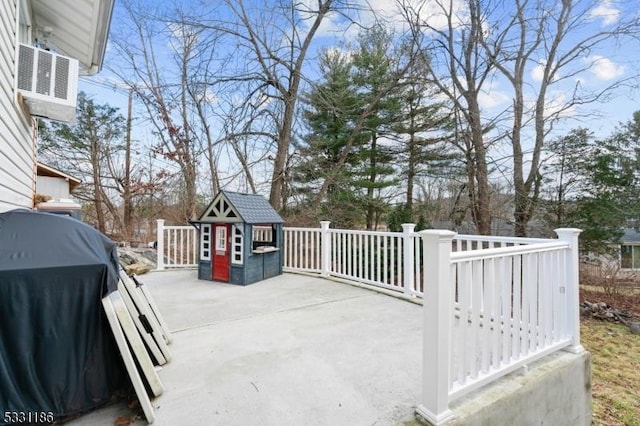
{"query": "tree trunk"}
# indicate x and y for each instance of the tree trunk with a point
(126, 185)
(289, 94)
(373, 164)
(481, 206)
(411, 169)
(97, 190)
(190, 192)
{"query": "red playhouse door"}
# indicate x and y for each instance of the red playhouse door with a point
(220, 270)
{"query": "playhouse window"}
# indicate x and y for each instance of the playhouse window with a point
(263, 235)
(236, 246)
(221, 238)
(205, 242)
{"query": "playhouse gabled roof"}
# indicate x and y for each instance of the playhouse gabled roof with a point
(230, 206)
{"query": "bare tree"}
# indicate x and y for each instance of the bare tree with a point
(162, 82)
(274, 40)
(557, 40)
(507, 42)
(457, 67)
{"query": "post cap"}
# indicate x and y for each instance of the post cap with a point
(442, 233)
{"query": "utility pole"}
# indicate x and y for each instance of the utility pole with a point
(127, 204)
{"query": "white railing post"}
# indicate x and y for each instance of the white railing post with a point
(570, 235)
(438, 312)
(408, 255)
(325, 248)
(160, 245)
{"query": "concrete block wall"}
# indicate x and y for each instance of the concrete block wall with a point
(554, 391)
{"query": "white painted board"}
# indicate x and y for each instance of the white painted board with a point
(129, 363)
(135, 342)
(143, 308)
(135, 316)
(154, 309)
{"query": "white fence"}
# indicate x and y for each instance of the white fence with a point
(177, 246)
(382, 259)
(491, 304)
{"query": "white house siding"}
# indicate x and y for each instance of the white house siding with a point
(57, 188)
(17, 156)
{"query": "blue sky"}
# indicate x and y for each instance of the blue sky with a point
(599, 68)
(609, 62)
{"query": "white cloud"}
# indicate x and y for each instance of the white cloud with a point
(430, 12)
(492, 98)
(559, 105)
(210, 97)
(436, 13)
(537, 73)
(604, 68)
(556, 104)
(607, 12)
(490, 95)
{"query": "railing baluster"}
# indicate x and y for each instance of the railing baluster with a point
(506, 280)
(464, 305)
(181, 257)
(516, 312)
(548, 304)
(417, 273)
(308, 248)
(366, 262)
(476, 339)
(394, 269)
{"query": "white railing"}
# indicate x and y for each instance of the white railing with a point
(492, 305)
(476, 242)
(491, 311)
(177, 246)
(373, 258)
(381, 259)
(302, 249)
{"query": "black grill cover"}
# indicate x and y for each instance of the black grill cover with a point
(57, 352)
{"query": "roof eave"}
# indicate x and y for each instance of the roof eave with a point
(102, 35)
(58, 35)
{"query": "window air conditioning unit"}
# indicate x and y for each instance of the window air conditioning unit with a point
(48, 83)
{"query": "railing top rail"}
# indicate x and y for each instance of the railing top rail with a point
(497, 239)
(179, 227)
(467, 237)
(356, 232)
(548, 245)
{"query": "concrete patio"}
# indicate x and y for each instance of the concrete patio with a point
(291, 350)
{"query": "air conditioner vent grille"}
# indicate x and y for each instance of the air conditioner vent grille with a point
(61, 86)
(43, 80)
(25, 65)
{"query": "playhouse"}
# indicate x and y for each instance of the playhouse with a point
(240, 239)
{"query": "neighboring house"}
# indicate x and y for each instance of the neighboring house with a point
(75, 30)
(54, 183)
(53, 191)
(630, 249)
(622, 264)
